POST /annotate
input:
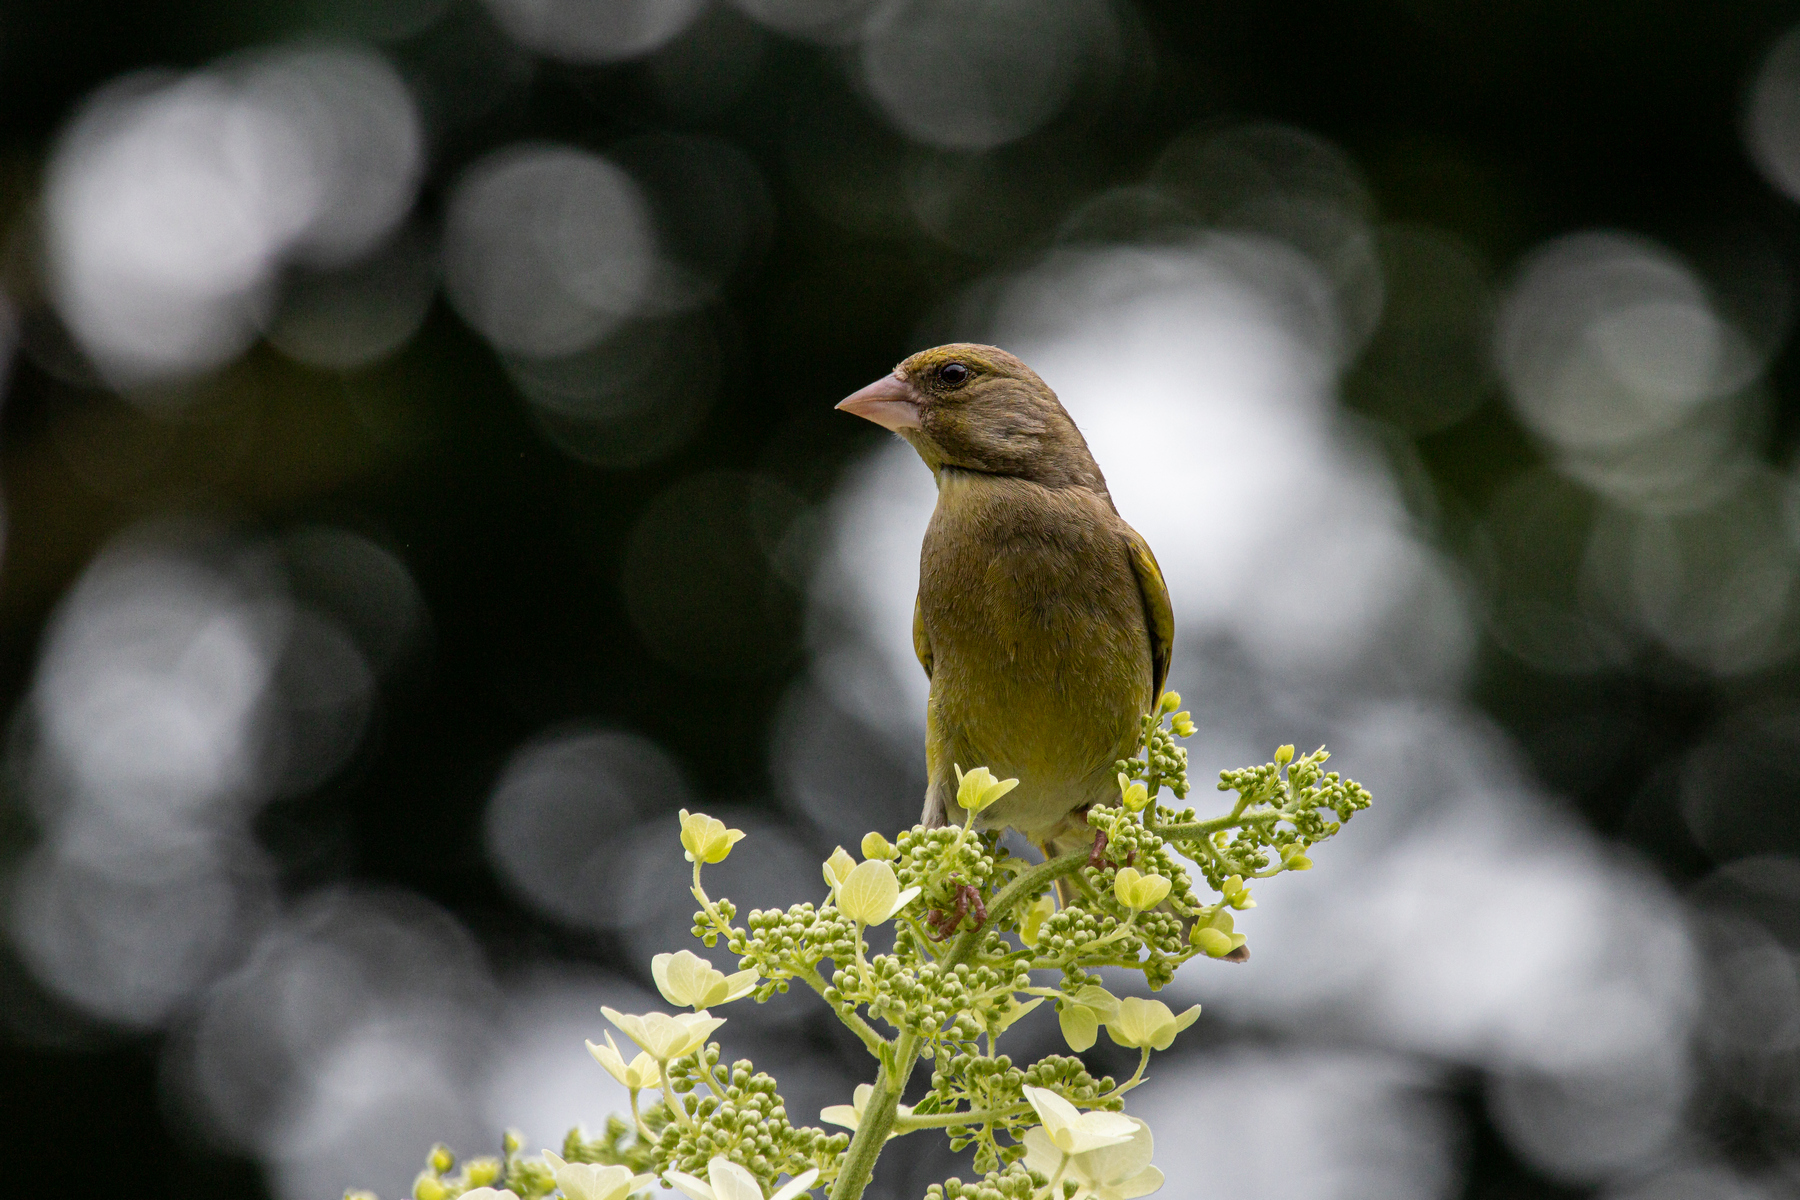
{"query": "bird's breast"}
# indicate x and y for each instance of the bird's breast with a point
(1041, 655)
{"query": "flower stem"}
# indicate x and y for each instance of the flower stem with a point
(861, 1028)
(1136, 1076)
(946, 1120)
(1027, 885)
(884, 1101)
(643, 1130)
(877, 1121)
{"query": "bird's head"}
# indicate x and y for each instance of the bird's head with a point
(977, 408)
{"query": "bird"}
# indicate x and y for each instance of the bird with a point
(1042, 618)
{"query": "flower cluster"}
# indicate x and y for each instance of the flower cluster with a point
(975, 929)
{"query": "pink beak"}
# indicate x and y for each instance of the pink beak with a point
(889, 402)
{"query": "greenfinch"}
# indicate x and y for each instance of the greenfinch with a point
(1042, 619)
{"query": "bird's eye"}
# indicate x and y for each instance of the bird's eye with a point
(953, 374)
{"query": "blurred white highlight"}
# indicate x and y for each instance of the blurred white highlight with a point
(172, 203)
(595, 31)
(1772, 121)
(975, 74)
(1299, 1125)
(557, 812)
(546, 249)
(1609, 345)
(181, 687)
(829, 21)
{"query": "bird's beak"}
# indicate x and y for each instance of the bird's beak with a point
(889, 402)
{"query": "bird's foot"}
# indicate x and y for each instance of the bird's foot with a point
(968, 903)
(1097, 856)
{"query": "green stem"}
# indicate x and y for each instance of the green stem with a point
(1201, 829)
(945, 1120)
(884, 1101)
(706, 1073)
(877, 1120)
(1027, 885)
(861, 1028)
(1137, 1076)
(643, 1130)
(671, 1101)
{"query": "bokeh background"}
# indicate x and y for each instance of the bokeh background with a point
(420, 480)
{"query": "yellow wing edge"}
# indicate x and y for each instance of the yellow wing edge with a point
(921, 642)
(1159, 617)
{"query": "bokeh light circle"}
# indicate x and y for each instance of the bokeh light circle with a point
(546, 248)
(595, 31)
(975, 74)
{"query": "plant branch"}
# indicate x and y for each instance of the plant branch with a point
(1029, 884)
(945, 1120)
(861, 1028)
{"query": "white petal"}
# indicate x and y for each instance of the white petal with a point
(905, 898)
(732, 1182)
(841, 1114)
(796, 1185)
(695, 1189)
(1141, 1184)
(1041, 1154)
(1056, 1113)
(659, 973)
(1112, 1164)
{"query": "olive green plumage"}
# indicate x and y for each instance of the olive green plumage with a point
(1042, 619)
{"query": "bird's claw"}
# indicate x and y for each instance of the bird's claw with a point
(1097, 856)
(968, 902)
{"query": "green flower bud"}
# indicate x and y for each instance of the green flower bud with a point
(1170, 702)
(440, 1159)
(876, 846)
(1293, 857)
(511, 1141)
(480, 1172)
(978, 789)
(427, 1187)
(706, 839)
(1284, 755)
(1182, 724)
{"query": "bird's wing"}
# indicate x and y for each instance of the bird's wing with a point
(1158, 616)
(921, 641)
